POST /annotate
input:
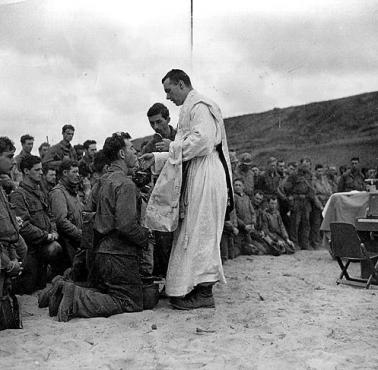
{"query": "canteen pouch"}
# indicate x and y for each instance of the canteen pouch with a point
(10, 316)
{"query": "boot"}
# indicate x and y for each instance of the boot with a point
(44, 297)
(45, 294)
(200, 297)
(205, 296)
(66, 305)
(56, 295)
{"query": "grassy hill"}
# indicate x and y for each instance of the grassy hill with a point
(329, 132)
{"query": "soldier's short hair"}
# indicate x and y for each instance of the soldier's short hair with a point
(113, 145)
(29, 162)
(43, 144)
(176, 75)
(46, 167)
(240, 179)
(66, 165)
(67, 127)
(355, 159)
(271, 197)
(26, 137)
(78, 147)
(87, 143)
(6, 145)
(158, 108)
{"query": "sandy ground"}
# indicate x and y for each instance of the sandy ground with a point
(275, 313)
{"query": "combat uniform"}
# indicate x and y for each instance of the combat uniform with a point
(118, 240)
(58, 152)
(67, 209)
(351, 180)
(163, 240)
(299, 189)
(31, 206)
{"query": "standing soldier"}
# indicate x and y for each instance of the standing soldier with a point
(27, 143)
(301, 195)
(158, 116)
(270, 180)
(42, 150)
(62, 150)
(323, 191)
(352, 179)
(244, 171)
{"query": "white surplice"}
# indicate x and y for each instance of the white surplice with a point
(195, 256)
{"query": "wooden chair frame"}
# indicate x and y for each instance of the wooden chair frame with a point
(355, 251)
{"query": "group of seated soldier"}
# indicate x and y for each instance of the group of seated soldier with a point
(278, 209)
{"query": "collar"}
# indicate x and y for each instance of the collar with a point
(271, 211)
(26, 186)
(23, 153)
(65, 145)
(118, 165)
(72, 189)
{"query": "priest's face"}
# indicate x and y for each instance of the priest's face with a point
(175, 91)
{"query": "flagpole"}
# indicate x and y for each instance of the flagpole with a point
(191, 33)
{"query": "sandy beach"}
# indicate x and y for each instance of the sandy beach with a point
(274, 313)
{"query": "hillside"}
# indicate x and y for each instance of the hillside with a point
(329, 132)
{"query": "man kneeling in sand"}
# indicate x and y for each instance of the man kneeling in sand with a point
(118, 241)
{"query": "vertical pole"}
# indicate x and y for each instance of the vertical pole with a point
(191, 33)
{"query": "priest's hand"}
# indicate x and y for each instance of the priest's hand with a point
(147, 160)
(163, 146)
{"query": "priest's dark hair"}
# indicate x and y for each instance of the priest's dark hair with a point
(176, 75)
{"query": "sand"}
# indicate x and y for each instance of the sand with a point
(275, 313)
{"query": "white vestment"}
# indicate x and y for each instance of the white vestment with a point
(195, 256)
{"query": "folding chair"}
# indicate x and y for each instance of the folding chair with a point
(346, 246)
(373, 206)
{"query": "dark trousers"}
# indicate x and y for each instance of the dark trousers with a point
(117, 288)
(251, 243)
(316, 219)
(162, 252)
(34, 275)
(227, 246)
(300, 222)
(284, 210)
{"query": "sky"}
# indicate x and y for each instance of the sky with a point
(98, 65)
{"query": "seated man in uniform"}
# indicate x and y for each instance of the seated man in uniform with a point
(246, 217)
(273, 227)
